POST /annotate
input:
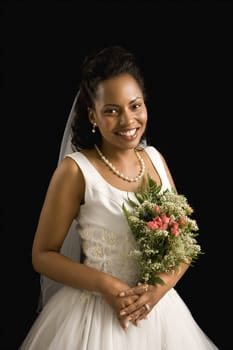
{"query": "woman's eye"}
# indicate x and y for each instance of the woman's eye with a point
(136, 106)
(111, 111)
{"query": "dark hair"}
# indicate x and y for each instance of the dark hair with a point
(105, 64)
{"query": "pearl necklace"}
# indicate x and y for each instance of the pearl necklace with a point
(118, 173)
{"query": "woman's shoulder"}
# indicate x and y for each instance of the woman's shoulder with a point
(85, 162)
(68, 168)
(66, 180)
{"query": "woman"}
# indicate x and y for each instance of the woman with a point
(98, 304)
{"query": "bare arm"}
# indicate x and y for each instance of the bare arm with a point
(62, 203)
(61, 206)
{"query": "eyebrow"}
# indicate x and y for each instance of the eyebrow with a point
(132, 101)
(136, 98)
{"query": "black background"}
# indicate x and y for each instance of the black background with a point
(185, 49)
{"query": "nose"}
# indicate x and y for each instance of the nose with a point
(126, 117)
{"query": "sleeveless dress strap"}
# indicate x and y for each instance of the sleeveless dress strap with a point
(159, 165)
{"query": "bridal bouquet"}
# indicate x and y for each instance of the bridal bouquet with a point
(163, 229)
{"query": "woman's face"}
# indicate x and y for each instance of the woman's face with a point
(119, 112)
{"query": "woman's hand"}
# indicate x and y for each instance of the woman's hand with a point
(148, 297)
(112, 290)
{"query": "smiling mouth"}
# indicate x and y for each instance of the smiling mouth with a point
(128, 133)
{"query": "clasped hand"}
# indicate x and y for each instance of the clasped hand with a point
(136, 304)
(131, 304)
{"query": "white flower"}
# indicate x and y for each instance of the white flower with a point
(163, 229)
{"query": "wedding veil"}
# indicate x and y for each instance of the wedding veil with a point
(71, 246)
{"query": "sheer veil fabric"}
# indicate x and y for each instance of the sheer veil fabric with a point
(71, 246)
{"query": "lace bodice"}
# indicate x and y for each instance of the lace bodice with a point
(106, 237)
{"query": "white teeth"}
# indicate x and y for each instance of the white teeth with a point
(128, 132)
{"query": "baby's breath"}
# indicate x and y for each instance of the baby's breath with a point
(163, 229)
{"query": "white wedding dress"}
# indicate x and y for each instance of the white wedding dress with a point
(80, 320)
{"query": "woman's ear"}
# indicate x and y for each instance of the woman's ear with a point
(91, 115)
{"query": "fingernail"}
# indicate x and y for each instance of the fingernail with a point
(126, 325)
(122, 294)
(122, 313)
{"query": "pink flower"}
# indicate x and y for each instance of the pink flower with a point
(182, 221)
(155, 224)
(165, 218)
(159, 222)
(175, 229)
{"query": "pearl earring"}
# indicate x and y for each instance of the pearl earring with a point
(93, 128)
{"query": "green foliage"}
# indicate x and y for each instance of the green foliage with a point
(163, 229)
